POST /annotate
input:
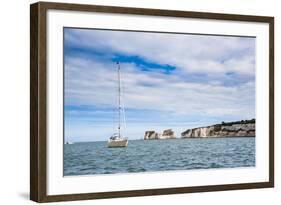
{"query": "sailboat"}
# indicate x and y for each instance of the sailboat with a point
(117, 139)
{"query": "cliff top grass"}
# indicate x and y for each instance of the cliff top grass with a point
(238, 122)
(217, 126)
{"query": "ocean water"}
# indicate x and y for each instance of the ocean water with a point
(87, 158)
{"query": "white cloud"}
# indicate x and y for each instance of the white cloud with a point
(95, 83)
(191, 53)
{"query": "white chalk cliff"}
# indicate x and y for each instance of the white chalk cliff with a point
(232, 129)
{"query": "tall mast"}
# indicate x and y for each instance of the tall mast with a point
(119, 100)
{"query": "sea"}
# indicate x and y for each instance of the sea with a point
(90, 158)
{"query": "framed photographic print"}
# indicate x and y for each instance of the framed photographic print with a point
(135, 102)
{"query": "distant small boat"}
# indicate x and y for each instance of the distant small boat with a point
(117, 139)
(69, 143)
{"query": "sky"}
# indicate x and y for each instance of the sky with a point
(176, 81)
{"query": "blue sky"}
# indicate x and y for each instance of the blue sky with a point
(176, 81)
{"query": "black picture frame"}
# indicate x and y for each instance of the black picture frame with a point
(38, 100)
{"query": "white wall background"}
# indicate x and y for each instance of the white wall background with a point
(14, 102)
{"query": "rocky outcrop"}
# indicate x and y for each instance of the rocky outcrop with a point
(167, 134)
(152, 135)
(231, 129)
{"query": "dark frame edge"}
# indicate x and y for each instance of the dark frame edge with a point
(34, 188)
(37, 103)
(153, 12)
(271, 101)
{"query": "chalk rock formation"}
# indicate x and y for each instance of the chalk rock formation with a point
(152, 135)
(168, 134)
(231, 129)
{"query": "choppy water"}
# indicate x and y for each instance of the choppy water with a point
(159, 155)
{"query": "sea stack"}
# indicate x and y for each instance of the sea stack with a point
(153, 135)
(168, 134)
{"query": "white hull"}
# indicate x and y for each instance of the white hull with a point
(117, 143)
